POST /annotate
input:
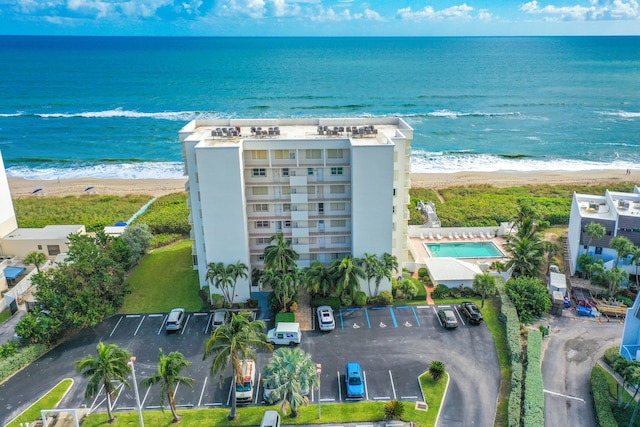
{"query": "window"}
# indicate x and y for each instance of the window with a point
(262, 240)
(262, 224)
(321, 208)
(292, 155)
(261, 257)
(284, 154)
(337, 189)
(333, 153)
(313, 154)
(194, 259)
(311, 189)
(286, 190)
(287, 224)
(286, 207)
(394, 210)
(338, 223)
(262, 207)
(338, 206)
(598, 251)
(260, 191)
(336, 171)
(309, 171)
(53, 250)
(259, 172)
(39, 247)
(259, 154)
(394, 192)
(338, 239)
(285, 171)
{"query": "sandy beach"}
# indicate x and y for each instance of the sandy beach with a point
(159, 187)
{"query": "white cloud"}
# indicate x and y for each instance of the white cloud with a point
(598, 10)
(429, 13)
(319, 14)
(368, 15)
(100, 9)
(253, 8)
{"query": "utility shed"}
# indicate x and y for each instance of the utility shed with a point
(557, 283)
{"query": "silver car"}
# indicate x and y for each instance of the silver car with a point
(175, 319)
(219, 318)
(326, 321)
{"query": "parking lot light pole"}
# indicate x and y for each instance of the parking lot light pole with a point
(135, 389)
(319, 371)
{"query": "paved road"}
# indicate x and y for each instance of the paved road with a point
(570, 351)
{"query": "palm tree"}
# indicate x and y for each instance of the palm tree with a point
(389, 266)
(484, 284)
(372, 268)
(551, 250)
(231, 344)
(280, 256)
(110, 365)
(614, 277)
(168, 376)
(289, 374)
(237, 271)
(595, 231)
(283, 283)
(36, 258)
(347, 274)
(317, 279)
(622, 246)
(525, 219)
(526, 256)
(635, 260)
(220, 277)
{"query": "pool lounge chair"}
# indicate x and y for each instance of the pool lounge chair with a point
(430, 236)
(439, 236)
(471, 236)
(450, 236)
(464, 235)
(421, 236)
(456, 235)
(482, 235)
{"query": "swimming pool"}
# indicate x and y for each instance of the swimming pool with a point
(464, 250)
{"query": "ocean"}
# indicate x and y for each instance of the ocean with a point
(111, 107)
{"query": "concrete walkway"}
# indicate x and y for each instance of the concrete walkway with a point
(7, 329)
(304, 314)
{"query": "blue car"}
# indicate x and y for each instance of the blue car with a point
(354, 380)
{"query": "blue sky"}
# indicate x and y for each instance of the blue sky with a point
(319, 17)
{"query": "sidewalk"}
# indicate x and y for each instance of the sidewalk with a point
(7, 329)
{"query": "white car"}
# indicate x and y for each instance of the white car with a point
(326, 322)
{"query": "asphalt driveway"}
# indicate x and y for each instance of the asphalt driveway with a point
(393, 346)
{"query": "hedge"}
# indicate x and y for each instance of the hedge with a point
(285, 318)
(514, 410)
(533, 386)
(333, 302)
(601, 402)
(611, 355)
(24, 356)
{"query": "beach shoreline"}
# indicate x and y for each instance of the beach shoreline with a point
(21, 188)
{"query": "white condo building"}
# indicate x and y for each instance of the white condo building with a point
(335, 187)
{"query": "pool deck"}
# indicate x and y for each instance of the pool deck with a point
(418, 245)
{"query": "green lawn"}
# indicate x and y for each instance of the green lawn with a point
(4, 316)
(622, 415)
(48, 401)
(165, 279)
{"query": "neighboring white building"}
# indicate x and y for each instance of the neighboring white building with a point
(452, 272)
(335, 187)
(8, 221)
(618, 213)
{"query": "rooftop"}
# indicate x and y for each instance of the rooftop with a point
(609, 206)
(47, 232)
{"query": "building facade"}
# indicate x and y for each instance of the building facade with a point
(334, 187)
(8, 221)
(618, 213)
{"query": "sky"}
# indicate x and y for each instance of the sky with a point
(319, 17)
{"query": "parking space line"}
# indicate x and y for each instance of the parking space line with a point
(118, 394)
(96, 398)
(393, 317)
(200, 314)
(366, 390)
(138, 328)
(437, 317)
(114, 328)
(154, 407)
(416, 316)
(184, 328)
(459, 315)
(233, 381)
(213, 404)
(553, 393)
(204, 386)
(393, 387)
(145, 396)
(382, 398)
(206, 327)
(327, 400)
(408, 397)
(155, 315)
(162, 325)
(339, 388)
(257, 391)
(186, 405)
(130, 316)
(341, 322)
(366, 313)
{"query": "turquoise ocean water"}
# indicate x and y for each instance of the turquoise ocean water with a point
(112, 107)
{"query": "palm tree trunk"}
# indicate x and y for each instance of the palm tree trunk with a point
(172, 405)
(109, 413)
(232, 415)
(633, 415)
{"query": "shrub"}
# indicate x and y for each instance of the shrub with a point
(160, 240)
(218, 301)
(437, 370)
(9, 349)
(393, 410)
(168, 215)
(601, 402)
(468, 292)
(285, 317)
(455, 293)
(611, 355)
(626, 301)
(533, 386)
(514, 409)
(385, 298)
(22, 358)
(346, 300)
(361, 299)
(440, 292)
(333, 302)
(422, 292)
(423, 272)
(293, 307)
(529, 296)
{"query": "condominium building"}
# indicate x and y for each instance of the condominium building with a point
(618, 213)
(8, 221)
(333, 186)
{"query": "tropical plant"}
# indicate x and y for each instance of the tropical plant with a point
(317, 279)
(279, 255)
(529, 296)
(220, 277)
(372, 267)
(389, 267)
(622, 246)
(613, 278)
(635, 260)
(284, 285)
(550, 250)
(347, 274)
(584, 263)
(484, 284)
(631, 376)
(526, 255)
(231, 344)
(35, 258)
(236, 271)
(110, 365)
(437, 370)
(393, 410)
(290, 373)
(138, 239)
(168, 376)
(595, 231)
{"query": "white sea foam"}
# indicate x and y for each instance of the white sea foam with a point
(455, 114)
(118, 112)
(149, 170)
(438, 162)
(621, 114)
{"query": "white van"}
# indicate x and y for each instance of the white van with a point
(244, 391)
(285, 333)
(270, 419)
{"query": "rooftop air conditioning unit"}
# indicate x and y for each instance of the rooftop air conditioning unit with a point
(623, 204)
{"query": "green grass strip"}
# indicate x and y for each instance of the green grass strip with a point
(48, 401)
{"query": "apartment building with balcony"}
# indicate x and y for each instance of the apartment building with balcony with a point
(333, 186)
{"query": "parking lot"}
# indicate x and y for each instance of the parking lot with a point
(394, 345)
